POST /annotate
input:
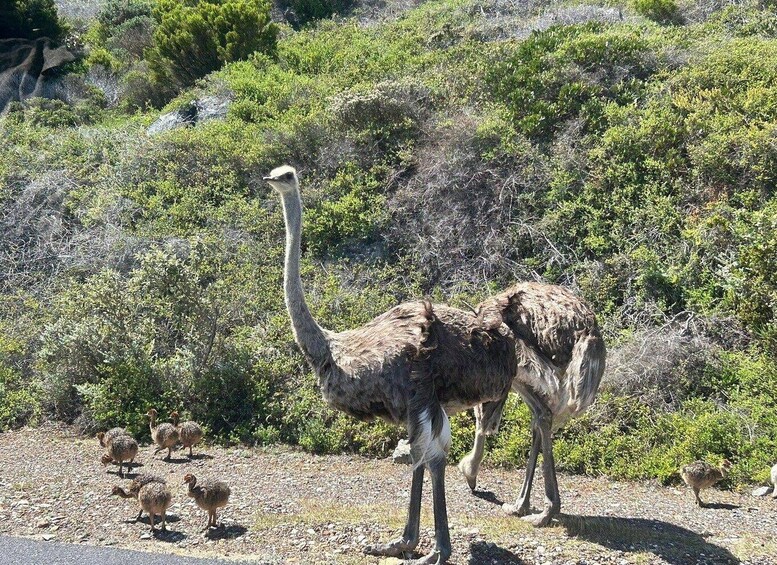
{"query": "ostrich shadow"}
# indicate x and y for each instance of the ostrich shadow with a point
(672, 543)
(168, 536)
(488, 496)
(720, 506)
(481, 552)
(226, 532)
(175, 460)
(197, 456)
(146, 520)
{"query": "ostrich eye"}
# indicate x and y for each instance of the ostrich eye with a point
(288, 176)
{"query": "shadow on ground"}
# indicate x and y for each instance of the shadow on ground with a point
(157, 520)
(488, 496)
(229, 532)
(721, 506)
(481, 552)
(674, 544)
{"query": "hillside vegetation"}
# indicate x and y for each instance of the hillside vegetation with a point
(629, 152)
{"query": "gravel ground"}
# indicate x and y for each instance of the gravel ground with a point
(292, 507)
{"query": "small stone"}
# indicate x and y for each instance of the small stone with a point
(145, 535)
(762, 491)
(48, 537)
(43, 524)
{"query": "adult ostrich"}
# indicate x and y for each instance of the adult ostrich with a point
(561, 358)
(408, 366)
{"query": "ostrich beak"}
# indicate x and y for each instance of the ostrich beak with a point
(269, 178)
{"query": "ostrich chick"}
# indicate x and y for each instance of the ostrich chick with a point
(105, 438)
(189, 432)
(209, 495)
(154, 497)
(700, 475)
(164, 435)
(119, 450)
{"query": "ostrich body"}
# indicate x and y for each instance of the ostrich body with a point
(105, 438)
(189, 432)
(409, 366)
(121, 449)
(700, 475)
(139, 482)
(164, 435)
(154, 497)
(561, 357)
(209, 495)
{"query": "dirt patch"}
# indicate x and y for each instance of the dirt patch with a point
(293, 507)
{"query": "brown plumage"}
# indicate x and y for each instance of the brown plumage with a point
(700, 475)
(561, 356)
(164, 435)
(189, 432)
(121, 449)
(209, 495)
(154, 497)
(140, 481)
(412, 366)
(106, 437)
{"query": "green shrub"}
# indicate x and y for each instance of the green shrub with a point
(661, 11)
(163, 337)
(569, 71)
(30, 19)
(194, 39)
(308, 10)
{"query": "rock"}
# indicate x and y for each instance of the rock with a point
(43, 524)
(48, 537)
(762, 491)
(193, 113)
(401, 454)
(145, 535)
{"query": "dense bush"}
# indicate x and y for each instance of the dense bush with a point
(661, 11)
(193, 39)
(30, 19)
(304, 11)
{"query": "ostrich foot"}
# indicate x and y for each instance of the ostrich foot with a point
(434, 558)
(542, 520)
(521, 509)
(470, 474)
(396, 548)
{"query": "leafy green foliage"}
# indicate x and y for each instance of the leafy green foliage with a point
(308, 10)
(571, 71)
(661, 11)
(192, 40)
(30, 19)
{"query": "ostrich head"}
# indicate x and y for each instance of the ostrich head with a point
(191, 479)
(100, 437)
(105, 459)
(283, 179)
(152, 413)
(174, 416)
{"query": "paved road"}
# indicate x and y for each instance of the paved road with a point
(23, 551)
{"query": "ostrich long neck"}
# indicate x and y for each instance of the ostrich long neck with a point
(308, 334)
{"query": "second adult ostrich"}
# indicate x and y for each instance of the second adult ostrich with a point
(408, 366)
(561, 358)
